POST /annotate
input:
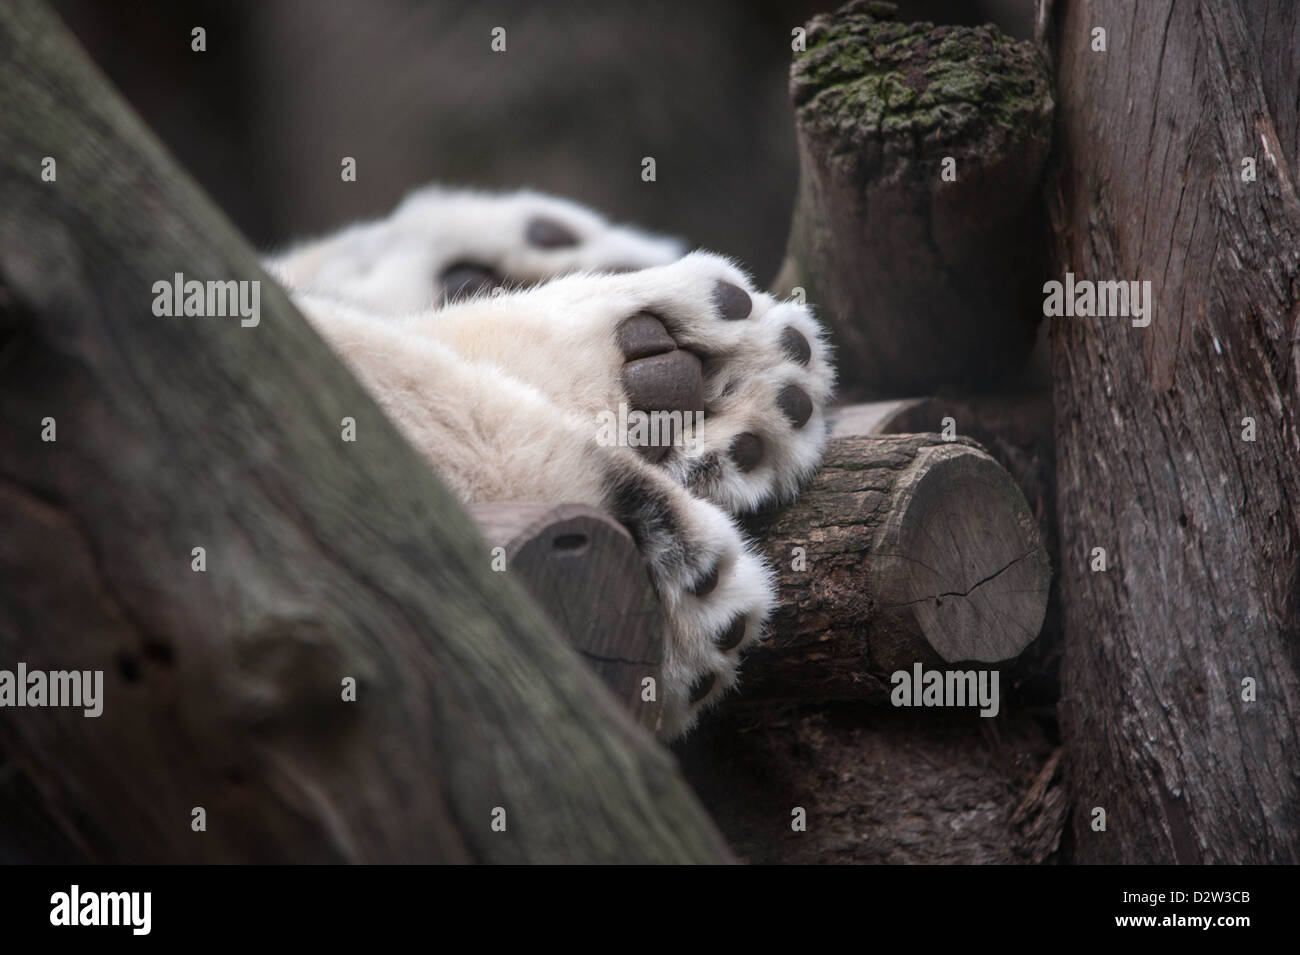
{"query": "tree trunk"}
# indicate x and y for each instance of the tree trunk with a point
(925, 272)
(904, 549)
(326, 560)
(1178, 443)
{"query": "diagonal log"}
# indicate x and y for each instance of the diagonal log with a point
(324, 559)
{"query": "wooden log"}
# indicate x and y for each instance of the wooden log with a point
(923, 282)
(132, 439)
(904, 549)
(1178, 441)
(585, 573)
(1016, 430)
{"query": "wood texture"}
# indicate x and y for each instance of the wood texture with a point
(923, 282)
(1016, 430)
(324, 559)
(583, 570)
(1200, 526)
(903, 549)
(879, 787)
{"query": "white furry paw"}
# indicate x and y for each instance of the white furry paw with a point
(444, 244)
(715, 591)
(719, 384)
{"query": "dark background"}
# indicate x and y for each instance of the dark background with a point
(414, 92)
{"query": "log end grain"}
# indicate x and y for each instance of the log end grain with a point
(962, 564)
(583, 569)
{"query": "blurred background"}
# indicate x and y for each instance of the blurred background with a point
(415, 93)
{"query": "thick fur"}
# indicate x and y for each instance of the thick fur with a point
(503, 393)
(392, 265)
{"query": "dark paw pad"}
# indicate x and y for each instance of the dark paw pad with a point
(746, 450)
(465, 278)
(796, 346)
(668, 382)
(703, 686)
(549, 234)
(734, 635)
(795, 405)
(731, 301)
(658, 376)
(643, 335)
(708, 584)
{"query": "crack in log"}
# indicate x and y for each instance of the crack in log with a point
(969, 590)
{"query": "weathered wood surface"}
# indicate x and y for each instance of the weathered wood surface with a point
(1016, 430)
(1201, 526)
(583, 570)
(903, 549)
(923, 282)
(324, 559)
(879, 786)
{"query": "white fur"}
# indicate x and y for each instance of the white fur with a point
(501, 394)
(392, 264)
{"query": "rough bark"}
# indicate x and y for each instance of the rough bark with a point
(325, 559)
(923, 282)
(1199, 524)
(879, 786)
(904, 549)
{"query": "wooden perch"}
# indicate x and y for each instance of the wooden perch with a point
(585, 573)
(1016, 430)
(924, 282)
(132, 439)
(904, 549)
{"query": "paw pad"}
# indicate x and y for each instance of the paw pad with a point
(668, 382)
(732, 302)
(734, 635)
(796, 345)
(703, 686)
(466, 278)
(549, 234)
(795, 404)
(643, 335)
(657, 375)
(746, 450)
(708, 584)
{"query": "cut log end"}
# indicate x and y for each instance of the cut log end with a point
(904, 549)
(963, 570)
(584, 571)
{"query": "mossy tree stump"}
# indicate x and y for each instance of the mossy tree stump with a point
(918, 228)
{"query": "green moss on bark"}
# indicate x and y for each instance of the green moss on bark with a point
(865, 77)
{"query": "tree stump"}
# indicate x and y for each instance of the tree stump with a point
(924, 281)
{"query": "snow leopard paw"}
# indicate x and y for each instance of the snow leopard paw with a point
(715, 591)
(700, 338)
(441, 245)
